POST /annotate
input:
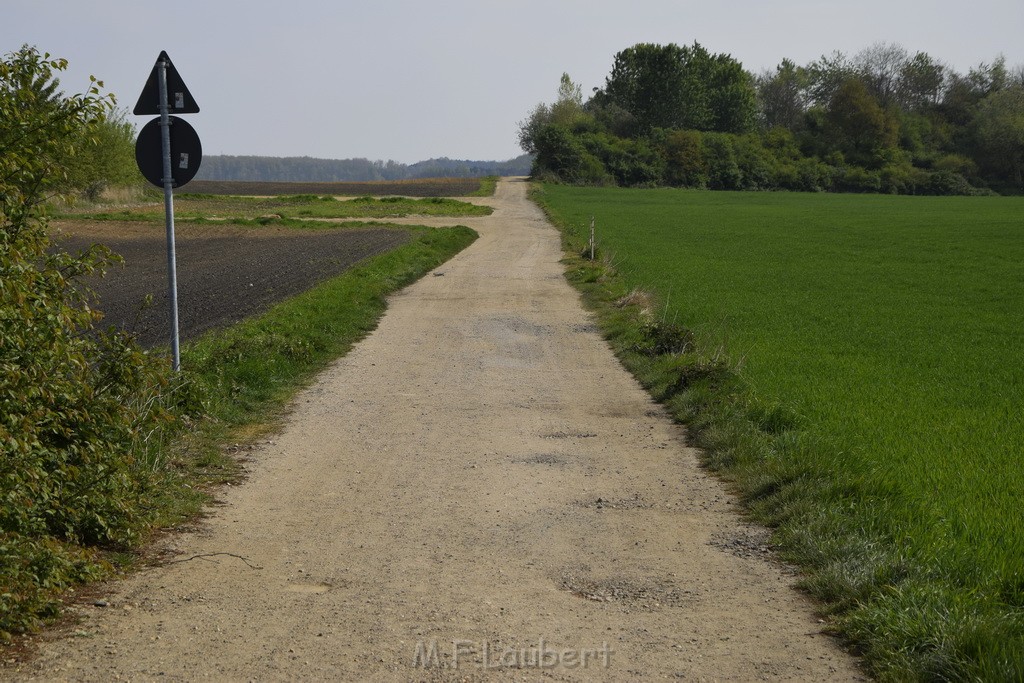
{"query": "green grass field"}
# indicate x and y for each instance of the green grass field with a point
(888, 332)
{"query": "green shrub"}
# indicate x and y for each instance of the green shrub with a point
(787, 176)
(561, 155)
(815, 176)
(755, 163)
(76, 404)
(631, 162)
(957, 164)
(903, 179)
(857, 179)
(720, 157)
(684, 159)
(948, 183)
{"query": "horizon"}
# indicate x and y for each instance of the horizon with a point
(383, 161)
(402, 81)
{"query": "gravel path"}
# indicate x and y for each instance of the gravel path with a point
(478, 485)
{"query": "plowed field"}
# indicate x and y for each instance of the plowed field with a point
(225, 273)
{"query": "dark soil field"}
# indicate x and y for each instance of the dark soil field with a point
(420, 187)
(225, 273)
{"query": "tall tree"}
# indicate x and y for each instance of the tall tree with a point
(964, 92)
(861, 128)
(732, 100)
(568, 106)
(566, 110)
(650, 82)
(921, 82)
(881, 67)
(1000, 133)
(988, 78)
(826, 75)
(529, 128)
(782, 96)
(668, 86)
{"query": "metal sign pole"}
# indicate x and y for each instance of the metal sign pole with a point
(168, 181)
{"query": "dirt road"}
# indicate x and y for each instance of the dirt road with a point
(477, 485)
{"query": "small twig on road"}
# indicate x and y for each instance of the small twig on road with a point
(206, 556)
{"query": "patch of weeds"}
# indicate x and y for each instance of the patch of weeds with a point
(487, 186)
(661, 337)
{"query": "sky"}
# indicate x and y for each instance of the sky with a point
(409, 80)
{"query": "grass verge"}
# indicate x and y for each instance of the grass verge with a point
(487, 186)
(848, 365)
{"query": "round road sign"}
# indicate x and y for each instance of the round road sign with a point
(186, 152)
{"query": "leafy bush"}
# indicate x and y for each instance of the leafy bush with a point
(76, 404)
(806, 175)
(948, 183)
(104, 157)
(755, 163)
(684, 163)
(720, 158)
(956, 163)
(857, 179)
(631, 162)
(561, 154)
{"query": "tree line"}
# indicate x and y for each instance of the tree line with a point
(883, 120)
(310, 169)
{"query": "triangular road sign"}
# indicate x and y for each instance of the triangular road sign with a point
(178, 96)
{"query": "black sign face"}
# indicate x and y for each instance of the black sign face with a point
(186, 152)
(179, 98)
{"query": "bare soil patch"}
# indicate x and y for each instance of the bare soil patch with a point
(225, 273)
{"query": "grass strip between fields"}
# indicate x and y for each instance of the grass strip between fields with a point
(488, 184)
(228, 207)
(913, 611)
(234, 387)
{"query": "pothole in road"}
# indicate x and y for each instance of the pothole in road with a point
(569, 435)
(503, 326)
(634, 593)
(635, 502)
(551, 459)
